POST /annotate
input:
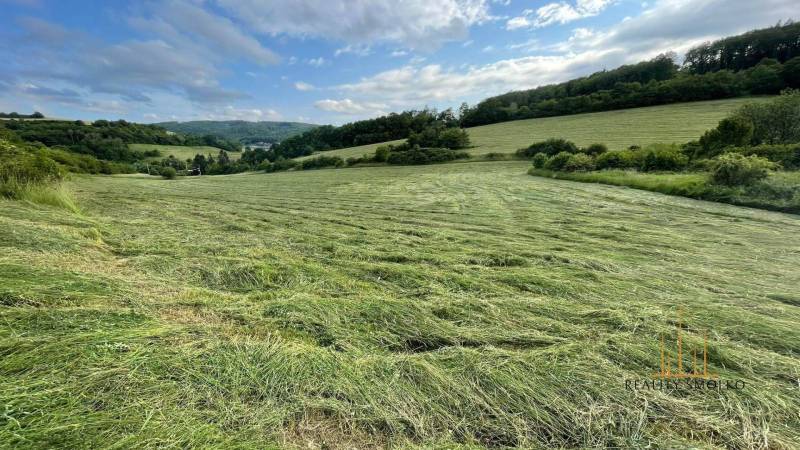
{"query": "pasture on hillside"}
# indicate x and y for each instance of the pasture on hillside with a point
(454, 305)
(180, 152)
(676, 123)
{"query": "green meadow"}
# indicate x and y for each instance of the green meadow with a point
(676, 123)
(445, 306)
(180, 152)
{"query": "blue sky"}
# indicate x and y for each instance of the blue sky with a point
(329, 61)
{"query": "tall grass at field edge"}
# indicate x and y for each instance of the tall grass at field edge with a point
(773, 194)
(56, 195)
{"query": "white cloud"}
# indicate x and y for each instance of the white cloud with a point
(530, 45)
(358, 50)
(303, 86)
(350, 107)
(411, 86)
(316, 62)
(416, 24)
(399, 53)
(186, 25)
(560, 13)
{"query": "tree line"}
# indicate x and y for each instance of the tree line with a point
(780, 42)
(381, 129)
(16, 115)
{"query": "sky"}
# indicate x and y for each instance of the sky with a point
(329, 61)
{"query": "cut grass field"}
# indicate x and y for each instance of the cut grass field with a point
(676, 123)
(181, 152)
(439, 306)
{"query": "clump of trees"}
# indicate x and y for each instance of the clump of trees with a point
(734, 169)
(439, 136)
(549, 147)
(169, 173)
(381, 129)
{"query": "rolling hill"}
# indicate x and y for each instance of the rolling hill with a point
(240, 130)
(680, 122)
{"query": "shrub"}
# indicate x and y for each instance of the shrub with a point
(788, 156)
(417, 156)
(791, 72)
(775, 122)
(579, 162)
(734, 169)
(595, 149)
(558, 161)
(168, 173)
(539, 160)
(321, 161)
(621, 159)
(663, 157)
(497, 156)
(731, 132)
(549, 147)
(281, 165)
(610, 160)
(453, 138)
(382, 153)
(26, 166)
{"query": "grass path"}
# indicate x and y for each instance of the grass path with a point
(681, 122)
(459, 304)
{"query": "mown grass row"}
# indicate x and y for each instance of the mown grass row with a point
(458, 305)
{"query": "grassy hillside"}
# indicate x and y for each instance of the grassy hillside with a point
(680, 122)
(240, 130)
(423, 306)
(181, 152)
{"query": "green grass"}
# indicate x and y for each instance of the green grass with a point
(181, 152)
(436, 306)
(779, 192)
(677, 123)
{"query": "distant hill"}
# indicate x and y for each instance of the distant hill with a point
(240, 130)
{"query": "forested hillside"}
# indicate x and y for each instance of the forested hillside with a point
(106, 140)
(758, 62)
(240, 131)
